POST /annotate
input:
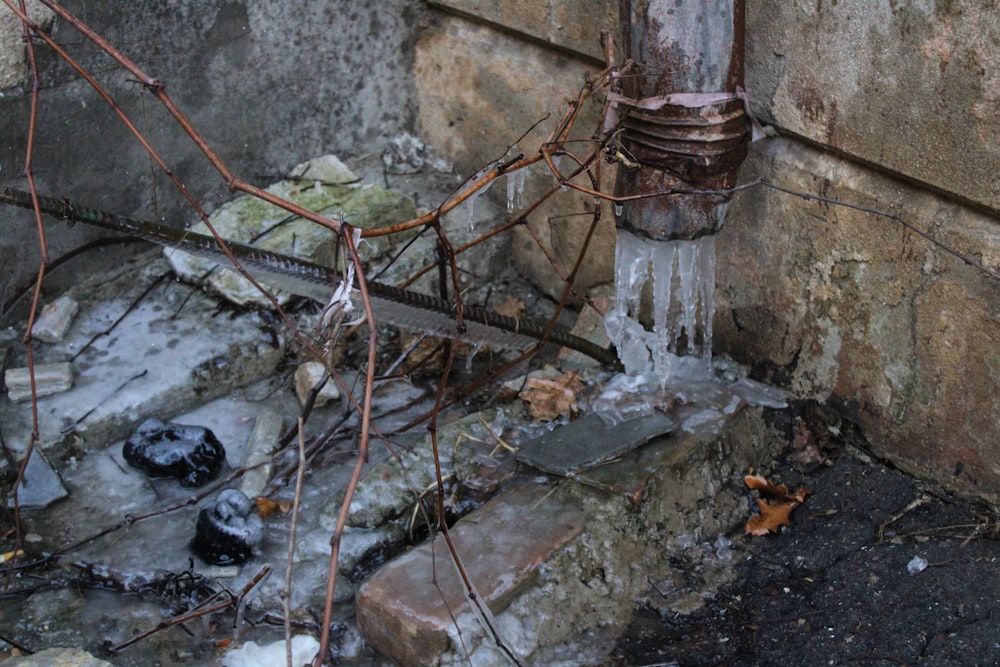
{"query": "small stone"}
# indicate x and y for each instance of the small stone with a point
(260, 444)
(227, 532)
(40, 486)
(49, 379)
(307, 376)
(192, 454)
(916, 565)
(327, 169)
(63, 657)
(54, 320)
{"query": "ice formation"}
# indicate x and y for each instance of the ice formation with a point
(683, 285)
(515, 189)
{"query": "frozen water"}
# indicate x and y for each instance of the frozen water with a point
(304, 649)
(515, 189)
(682, 274)
(470, 203)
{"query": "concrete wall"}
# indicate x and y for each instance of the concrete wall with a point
(886, 104)
(269, 83)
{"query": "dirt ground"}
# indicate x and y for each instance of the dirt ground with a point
(834, 587)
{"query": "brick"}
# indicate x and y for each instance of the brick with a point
(404, 614)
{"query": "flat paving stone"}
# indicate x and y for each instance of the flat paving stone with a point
(590, 441)
(405, 614)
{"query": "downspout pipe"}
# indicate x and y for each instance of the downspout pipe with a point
(680, 114)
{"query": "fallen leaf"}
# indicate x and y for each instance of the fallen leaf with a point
(771, 518)
(769, 490)
(510, 306)
(266, 506)
(776, 504)
(551, 398)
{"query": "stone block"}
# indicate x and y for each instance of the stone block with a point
(837, 304)
(480, 90)
(912, 87)
(408, 607)
(262, 442)
(563, 24)
(53, 378)
(557, 564)
(55, 318)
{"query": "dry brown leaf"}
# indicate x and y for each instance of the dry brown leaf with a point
(551, 398)
(511, 306)
(771, 518)
(266, 506)
(769, 490)
(776, 505)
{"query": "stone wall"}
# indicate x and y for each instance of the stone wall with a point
(270, 84)
(890, 105)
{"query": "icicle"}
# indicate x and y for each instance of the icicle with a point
(470, 207)
(683, 282)
(515, 189)
(706, 259)
(619, 208)
(520, 177)
(664, 326)
(686, 263)
(472, 355)
(511, 177)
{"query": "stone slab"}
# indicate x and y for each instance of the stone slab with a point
(590, 441)
(909, 86)
(40, 486)
(564, 24)
(142, 345)
(838, 305)
(405, 614)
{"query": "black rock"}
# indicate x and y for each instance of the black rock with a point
(192, 454)
(227, 532)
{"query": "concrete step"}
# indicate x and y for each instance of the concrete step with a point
(407, 609)
(562, 563)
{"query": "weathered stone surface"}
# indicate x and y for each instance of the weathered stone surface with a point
(671, 498)
(913, 87)
(565, 24)
(55, 318)
(141, 347)
(480, 90)
(262, 120)
(13, 55)
(407, 608)
(53, 378)
(58, 657)
(322, 184)
(842, 305)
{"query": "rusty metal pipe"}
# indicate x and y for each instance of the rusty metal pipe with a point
(670, 141)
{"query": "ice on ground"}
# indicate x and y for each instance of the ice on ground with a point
(251, 654)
